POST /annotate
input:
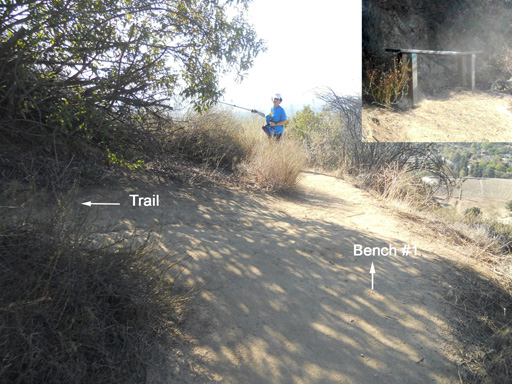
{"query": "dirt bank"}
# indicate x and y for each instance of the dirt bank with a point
(448, 116)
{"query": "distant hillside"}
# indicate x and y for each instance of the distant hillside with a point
(492, 160)
(487, 188)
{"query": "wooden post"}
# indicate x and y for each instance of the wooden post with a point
(470, 64)
(461, 63)
(465, 64)
(412, 66)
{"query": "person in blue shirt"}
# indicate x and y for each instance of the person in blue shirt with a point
(276, 119)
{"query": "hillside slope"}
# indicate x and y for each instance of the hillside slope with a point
(450, 116)
(282, 296)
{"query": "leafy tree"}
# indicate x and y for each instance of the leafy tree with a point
(501, 167)
(456, 158)
(304, 121)
(489, 172)
(478, 172)
(473, 169)
(462, 165)
(70, 65)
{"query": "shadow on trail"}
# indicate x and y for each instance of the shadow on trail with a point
(284, 299)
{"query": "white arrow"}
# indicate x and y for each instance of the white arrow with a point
(88, 203)
(372, 271)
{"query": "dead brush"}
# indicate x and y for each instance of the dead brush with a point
(274, 165)
(400, 186)
(486, 328)
(483, 298)
(214, 138)
(76, 313)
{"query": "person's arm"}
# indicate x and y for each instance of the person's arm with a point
(283, 122)
(259, 113)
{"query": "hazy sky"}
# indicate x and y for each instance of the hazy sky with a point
(311, 45)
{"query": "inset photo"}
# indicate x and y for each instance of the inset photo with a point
(437, 71)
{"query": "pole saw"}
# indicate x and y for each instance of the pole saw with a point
(266, 128)
(236, 106)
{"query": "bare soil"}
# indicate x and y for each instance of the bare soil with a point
(281, 297)
(448, 116)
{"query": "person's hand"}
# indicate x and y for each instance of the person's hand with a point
(254, 111)
(272, 124)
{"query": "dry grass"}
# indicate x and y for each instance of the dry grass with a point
(76, 313)
(274, 165)
(215, 139)
(448, 116)
(223, 140)
(399, 187)
(486, 305)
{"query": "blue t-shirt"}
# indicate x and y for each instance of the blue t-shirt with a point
(276, 115)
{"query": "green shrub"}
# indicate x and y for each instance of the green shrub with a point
(508, 205)
(473, 213)
(304, 123)
(321, 135)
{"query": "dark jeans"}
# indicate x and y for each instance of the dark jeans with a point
(277, 137)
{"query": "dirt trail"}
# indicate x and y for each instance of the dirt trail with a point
(284, 299)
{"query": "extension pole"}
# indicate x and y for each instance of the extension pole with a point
(236, 106)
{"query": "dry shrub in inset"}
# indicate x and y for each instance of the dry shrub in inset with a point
(387, 87)
(274, 165)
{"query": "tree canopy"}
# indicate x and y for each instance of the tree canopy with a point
(60, 59)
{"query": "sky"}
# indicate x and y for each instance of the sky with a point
(311, 45)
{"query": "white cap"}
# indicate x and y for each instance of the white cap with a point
(277, 96)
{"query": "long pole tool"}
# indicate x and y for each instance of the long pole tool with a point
(236, 106)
